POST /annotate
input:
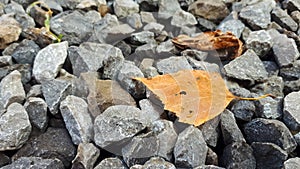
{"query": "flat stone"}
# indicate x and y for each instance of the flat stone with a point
(273, 85)
(11, 89)
(49, 61)
(247, 67)
(230, 130)
(25, 52)
(124, 77)
(292, 163)
(172, 65)
(112, 162)
(123, 8)
(291, 108)
(269, 108)
(260, 42)
(118, 33)
(134, 20)
(54, 143)
(268, 155)
(272, 131)
(37, 112)
(116, 125)
(35, 162)
(87, 155)
(233, 25)
(194, 154)
(281, 17)
(10, 30)
(167, 8)
(182, 18)
(74, 27)
(55, 91)
(15, 127)
(238, 155)
(78, 121)
(211, 10)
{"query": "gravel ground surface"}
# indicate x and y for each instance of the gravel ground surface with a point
(71, 102)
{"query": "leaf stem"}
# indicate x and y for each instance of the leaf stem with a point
(256, 98)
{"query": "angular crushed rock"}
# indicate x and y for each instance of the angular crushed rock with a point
(292, 163)
(172, 65)
(291, 108)
(260, 42)
(111, 163)
(35, 162)
(86, 156)
(283, 19)
(10, 30)
(123, 8)
(25, 52)
(155, 162)
(269, 108)
(37, 112)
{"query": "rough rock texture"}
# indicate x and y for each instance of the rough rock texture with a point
(10, 30)
(110, 163)
(86, 156)
(35, 162)
(124, 8)
(172, 65)
(260, 42)
(283, 19)
(292, 163)
(37, 112)
(25, 52)
(291, 110)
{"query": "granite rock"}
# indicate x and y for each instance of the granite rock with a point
(37, 112)
(291, 108)
(283, 19)
(260, 42)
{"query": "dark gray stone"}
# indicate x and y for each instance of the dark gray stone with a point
(172, 65)
(269, 108)
(230, 130)
(34, 163)
(206, 25)
(192, 155)
(291, 108)
(124, 47)
(74, 27)
(54, 143)
(243, 110)
(271, 67)
(49, 60)
(123, 8)
(293, 5)
(292, 163)
(11, 89)
(292, 72)
(116, 125)
(273, 85)
(142, 37)
(182, 18)
(87, 155)
(268, 155)
(291, 86)
(238, 155)
(260, 42)
(55, 91)
(5, 60)
(233, 25)
(144, 51)
(37, 112)
(247, 67)
(78, 121)
(24, 69)
(112, 162)
(211, 158)
(15, 127)
(25, 52)
(4, 159)
(272, 131)
(154, 27)
(211, 131)
(134, 20)
(283, 19)
(118, 33)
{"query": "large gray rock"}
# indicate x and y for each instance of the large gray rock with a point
(87, 155)
(273, 85)
(172, 65)
(291, 116)
(15, 127)
(194, 154)
(281, 17)
(268, 155)
(269, 108)
(11, 89)
(233, 25)
(167, 8)
(247, 67)
(34, 163)
(37, 112)
(272, 131)
(25, 52)
(74, 111)
(150, 111)
(123, 8)
(111, 163)
(260, 42)
(49, 61)
(292, 163)
(183, 18)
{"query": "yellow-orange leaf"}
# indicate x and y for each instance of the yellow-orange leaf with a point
(195, 96)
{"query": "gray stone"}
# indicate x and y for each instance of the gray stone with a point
(54, 143)
(292, 72)
(102, 27)
(211, 158)
(49, 61)
(37, 112)
(116, 125)
(134, 20)
(112, 162)
(124, 77)
(74, 27)
(293, 5)
(273, 85)
(172, 65)
(257, 15)
(141, 52)
(247, 67)
(284, 49)
(271, 67)
(195, 54)
(123, 8)
(208, 167)
(4, 159)
(292, 163)
(34, 91)
(11, 89)
(118, 33)
(268, 155)
(203, 65)
(165, 50)
(87, 155)
(211, 131)
(124, 47)
(211, 10)
(283, 19)
(206, 25)
(167, 8)
(55, 91)
(238, 155)
(142, 37)
(10, 30)
(154, 27)
(147, 17)
(291, 108)
(272, 131)
(296, 16)
(230, 130)
(78, 121)
(194, 154)
(155, 162)
(15, 127)
(269, 108)
(5, 60)
(233, 25)
(93, 16)
(150, 111)
(25, 52)
(24, 69)
(260, 42)
(182, 18)
(291, 86)
(244, 110)
(34, 163)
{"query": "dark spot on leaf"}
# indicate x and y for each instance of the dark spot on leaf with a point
(182, 92)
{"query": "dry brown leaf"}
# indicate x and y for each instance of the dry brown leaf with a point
(210, 41)
(195, 96)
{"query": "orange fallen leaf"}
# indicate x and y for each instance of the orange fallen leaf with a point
(195, 96)
(210, 41)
